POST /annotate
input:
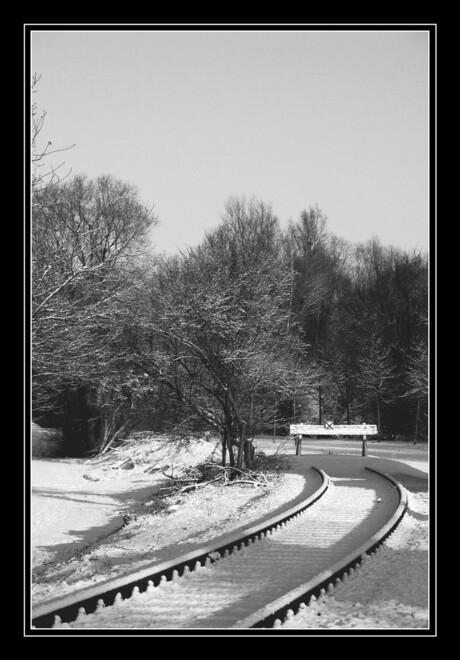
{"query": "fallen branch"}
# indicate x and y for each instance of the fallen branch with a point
(123, 462)
(255, 476)
(177, 489)
(243, 481)
(40, 577)
(179, 479)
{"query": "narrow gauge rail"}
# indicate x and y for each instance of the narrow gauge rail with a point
(262, 575)
(67, 608)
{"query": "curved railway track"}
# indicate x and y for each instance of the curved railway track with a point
(259, 575)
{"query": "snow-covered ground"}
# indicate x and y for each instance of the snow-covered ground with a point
(76, 503)
(390, 592)
(78, 537)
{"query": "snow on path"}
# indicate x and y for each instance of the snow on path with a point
(390, 592)
(220, 596)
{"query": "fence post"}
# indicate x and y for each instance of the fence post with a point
(298, 449)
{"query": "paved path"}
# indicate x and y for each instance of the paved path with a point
(221, 595)
(406, 452)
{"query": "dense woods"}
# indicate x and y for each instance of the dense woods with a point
(257, 327)
(261, 325)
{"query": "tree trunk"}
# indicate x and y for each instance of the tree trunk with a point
(348, 403)
(231, 454)
(319, 401)
(228, 430)
(248, 453)
(78, 421)
(227, 442)
(241, 444)
(113, 438)
(224, 448)
(378, 417)
(105, 434)
(417, 422)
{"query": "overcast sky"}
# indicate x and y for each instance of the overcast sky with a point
(294, 118)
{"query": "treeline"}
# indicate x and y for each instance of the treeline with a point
(258, 326)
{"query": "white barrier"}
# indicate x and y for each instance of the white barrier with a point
(329, 428)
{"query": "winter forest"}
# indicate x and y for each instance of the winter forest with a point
(263, 324)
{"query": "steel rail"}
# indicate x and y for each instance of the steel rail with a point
(68, 608)
(273, 614)
(270, 614)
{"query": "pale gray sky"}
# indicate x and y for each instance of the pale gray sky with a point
(295, 118)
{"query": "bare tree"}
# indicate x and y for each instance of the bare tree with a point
(418, 381)
(221, 317)
(44, 173)
(376, 372)
(82, 233)
(87, 240)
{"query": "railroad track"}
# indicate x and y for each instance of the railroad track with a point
(257, 577)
